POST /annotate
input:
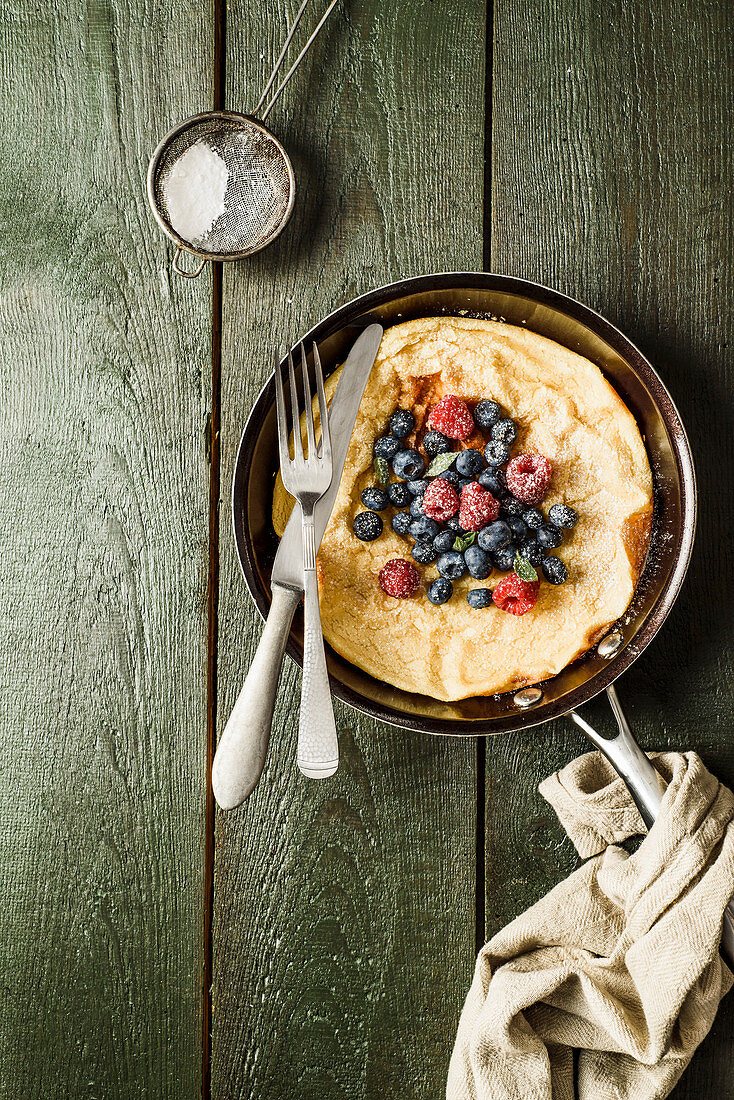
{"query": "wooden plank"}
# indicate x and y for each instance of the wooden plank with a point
(106, 382)
(344, 911)
(609, 173)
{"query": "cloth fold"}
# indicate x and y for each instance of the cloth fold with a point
(620, 962)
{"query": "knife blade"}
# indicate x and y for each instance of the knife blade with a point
(243, 748)
(288, 564)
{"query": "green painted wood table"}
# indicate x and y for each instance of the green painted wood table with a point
(318, 942)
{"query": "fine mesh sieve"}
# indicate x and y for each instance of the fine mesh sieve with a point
(260, 185)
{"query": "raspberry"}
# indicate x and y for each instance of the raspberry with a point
(528, 476)
(399, 578)
(515, 595)
(478, 507)
(440, 500)
(452, 417)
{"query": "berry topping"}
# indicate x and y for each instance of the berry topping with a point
(399, 494)
(367, 526)
(451, 565)
(401, 521)
(375, 499)
(399, 578)
(478, 562)
(496, 453)
(533, 518)
(423, 529)
(444, 541)
(554, 570)
(532, 551)
(441, 501)
(478, 507)
(495, 537)
(454, 525)
(418, 487)
(440, 590)
(424, 552)
(387, 446)
(416, 507)
(451, 476)
(515, 595)
(451, 417)
(550, 536)
(487, 413)
(504, 431)
(519, 529)
(493, 480)
(436, 443)
(401, 423)
(504, 559)
(563, 516)
(528, 477)
(408, 464)
(469, 463)
(479, 597)
(511, 506)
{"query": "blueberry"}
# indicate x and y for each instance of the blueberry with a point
(417, 488)
(495, 536)
(563, 516)
(462, 482)
(493, 481)
(451, 565)
(549, 536)
(497, 453)
(454, 525)
(479, 597)
(387, 446)
(408, 464)
(416, 507)
(423, 529)
(373, 498)
(478, 562)
(424, 553)
(401, 521)
(554, 570)
(451, 476)
(504, 559)
(399, 494)
(440, 590)
(401, 423)
(469, 462)
(519, 529)
(367, 526)
(487, 413)
(534, 518)
(504, 431)
(532, 551)
(436, 443)
(511, 506)
(444, 541)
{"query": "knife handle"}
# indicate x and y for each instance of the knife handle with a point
(243, 747)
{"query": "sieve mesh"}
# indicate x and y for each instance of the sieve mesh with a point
(260, 188)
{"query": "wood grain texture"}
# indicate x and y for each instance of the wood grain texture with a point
(104, 529)
(344, 910)
(610, 167)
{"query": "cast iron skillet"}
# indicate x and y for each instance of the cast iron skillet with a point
(575, 326)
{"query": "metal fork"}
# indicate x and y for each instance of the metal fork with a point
(307, 479)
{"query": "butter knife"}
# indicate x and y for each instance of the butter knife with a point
(241, 753)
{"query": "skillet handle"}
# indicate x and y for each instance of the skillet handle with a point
(646, 787)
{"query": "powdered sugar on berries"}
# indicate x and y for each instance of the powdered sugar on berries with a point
(478, 507)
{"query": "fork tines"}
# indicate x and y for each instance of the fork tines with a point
(318, 455)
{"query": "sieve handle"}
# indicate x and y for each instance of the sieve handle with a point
(296, 63)
(182, 270)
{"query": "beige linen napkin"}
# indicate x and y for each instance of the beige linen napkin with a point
(620, 962)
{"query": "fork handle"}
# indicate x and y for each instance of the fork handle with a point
(318, 748)
(243, 747)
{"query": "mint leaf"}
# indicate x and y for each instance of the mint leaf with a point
(524, 569)
(382, 470)
(441, 463)
(463, 542)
